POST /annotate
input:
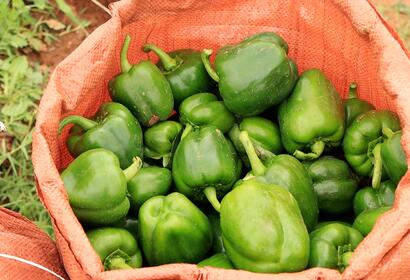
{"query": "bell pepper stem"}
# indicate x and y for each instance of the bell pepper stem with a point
(210, 194)
(377, 166)
(125, 64)
(133, 169)
(317, 149)
(258, 168)
(118, 263)
(82, 122)
(353, 90)
(186, 131)
(387, 132)
(205, 54)
(168, 62)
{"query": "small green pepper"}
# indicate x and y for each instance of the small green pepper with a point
(370, 198)
(220, 260)
(334, 183)
(312, 117)
(117, 248)
(184, 71)
(114, 128)
(252, 75)
(392, 155)
(173, 230)
(354, 106)
(97, 187)
(204, 109)
(143, 89)
(362, 142)
(368, 218)
(205, 165)
(161, 140)
(329, 243)
(217, 245)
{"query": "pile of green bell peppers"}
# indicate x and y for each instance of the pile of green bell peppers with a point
(243, 164)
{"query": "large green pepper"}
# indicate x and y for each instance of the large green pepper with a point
(114, 128)
(264, 135)
(334, 184)
(368, 218)
(392, 155)
(354, 106)
(287, 172)
(263, 229)
(160, 141)
(204, 109)
(329, 243)
(362, 142)
(217, 244)
(117, 248)
(148, 182)
(173, 230)
(143, 89)
(97, 187)
(370, 198)
(205, 164)
(252, 75)
(220, 260)
(184, 71)
(312, 117)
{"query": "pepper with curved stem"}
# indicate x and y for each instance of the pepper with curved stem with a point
(354, 106)
(392, 154)
(377, 169)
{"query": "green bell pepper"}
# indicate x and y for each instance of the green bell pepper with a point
(354, 106)
(366, 220)
(334, 183)
(312, 117)
(329, 243)
(252, 75)
(160, 141)
(263, 229)
(173, 230)
(269, 36)
(148, 182)
(205, 165)
(264, 135)
(362, 142)
(220, 260)
(97, 187)
(370, 198)
(143, 89)
(114, 128)
(287, 172)
(116, 247)
(392, 155)
(184, 71)
(217, 244)
(204, 109)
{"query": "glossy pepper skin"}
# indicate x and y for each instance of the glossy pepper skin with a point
(312, 117)
(362, 142)
(368, 218)
(264, 135)
(334, 183)
(269, 36)
(252, 75)
(148, 182)
(329, 243)
(160, 141)
(287, 172)
(370, 198)
(184, 71)
(117, 248)
(97, 187)
(113, 128)
(263, 229)
(220, 260)
(173, 230)
(354, 106)
(392, 155)
(143, 89)
(205, 165)
(204, 109)
(217, 244)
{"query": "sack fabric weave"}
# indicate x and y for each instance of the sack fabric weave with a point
(348, 40)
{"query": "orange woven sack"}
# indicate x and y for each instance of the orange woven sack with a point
(348, 40)
(26, 252)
